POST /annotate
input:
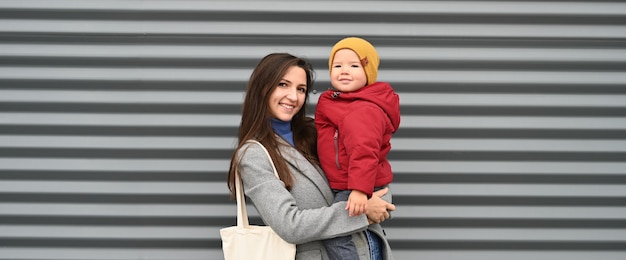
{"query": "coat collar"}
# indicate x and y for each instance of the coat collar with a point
(312, 172)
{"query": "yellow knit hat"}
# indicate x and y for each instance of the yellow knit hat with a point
(366, 52)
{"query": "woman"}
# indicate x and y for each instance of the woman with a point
(298, 206)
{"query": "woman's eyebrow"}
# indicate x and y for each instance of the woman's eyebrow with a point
(289, 82)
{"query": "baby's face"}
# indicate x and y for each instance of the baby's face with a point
(346, 72)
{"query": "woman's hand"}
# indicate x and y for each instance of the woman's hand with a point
(377, 208)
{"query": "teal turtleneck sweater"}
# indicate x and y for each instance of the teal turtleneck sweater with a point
(283, 129)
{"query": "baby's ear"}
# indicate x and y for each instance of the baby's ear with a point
(364, 62)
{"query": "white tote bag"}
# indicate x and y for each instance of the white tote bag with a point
(249, 242)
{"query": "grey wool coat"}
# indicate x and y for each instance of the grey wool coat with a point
(305, 215)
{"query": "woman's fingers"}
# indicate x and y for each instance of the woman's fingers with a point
(378, 209)
(381, 192)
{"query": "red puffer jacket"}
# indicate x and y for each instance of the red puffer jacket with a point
(354, 131)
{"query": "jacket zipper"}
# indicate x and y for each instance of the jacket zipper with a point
(336, 141)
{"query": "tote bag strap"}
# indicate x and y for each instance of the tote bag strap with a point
(242, 214)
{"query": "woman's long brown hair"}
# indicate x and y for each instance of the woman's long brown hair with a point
(255, 116)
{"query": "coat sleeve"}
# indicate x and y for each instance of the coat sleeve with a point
(278, 208)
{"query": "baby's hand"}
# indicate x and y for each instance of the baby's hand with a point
(357, 203)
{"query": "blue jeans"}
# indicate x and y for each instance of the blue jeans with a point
(376, 245)
(340, 248)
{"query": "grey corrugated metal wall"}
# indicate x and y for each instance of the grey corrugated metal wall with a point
(117, 120)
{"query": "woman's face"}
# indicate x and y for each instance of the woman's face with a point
(288, 97)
